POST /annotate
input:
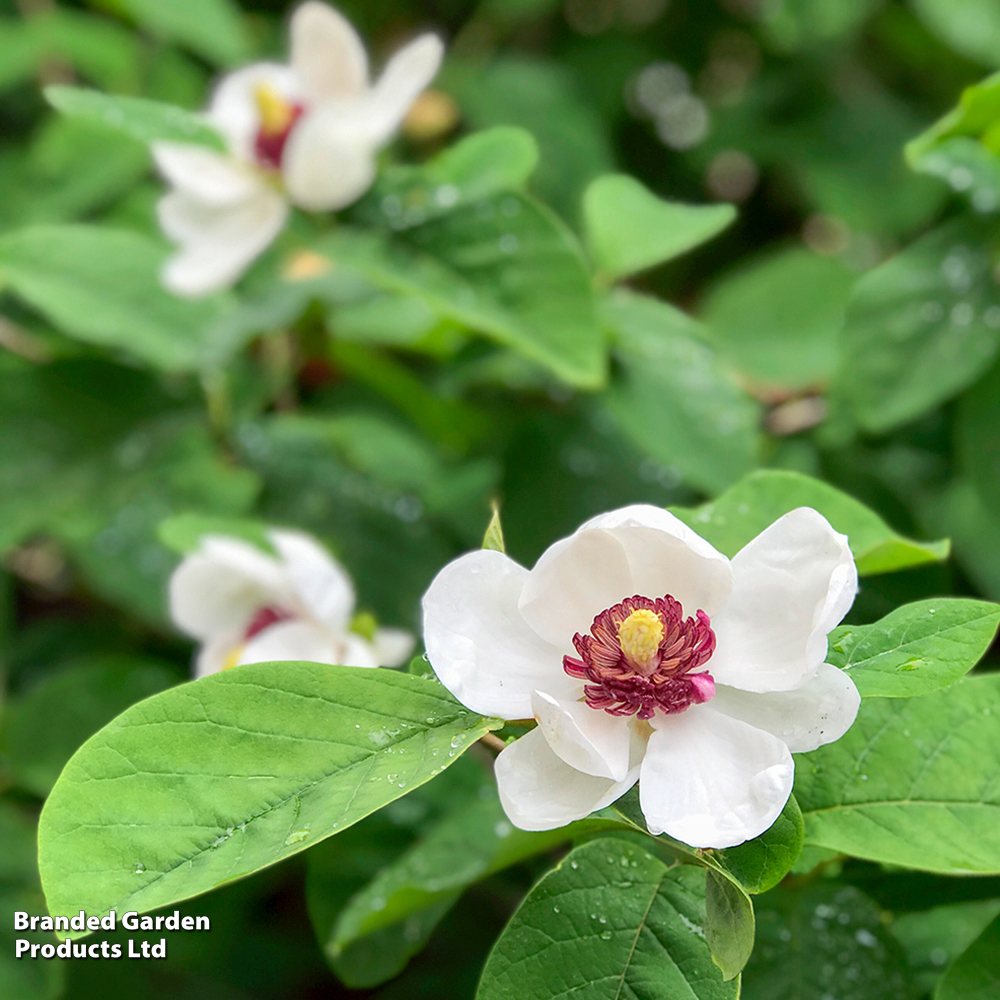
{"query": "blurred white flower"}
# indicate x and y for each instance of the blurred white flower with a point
(246, 606)
(703, 711)
(305, 133)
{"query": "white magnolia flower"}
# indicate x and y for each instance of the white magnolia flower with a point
(704, 711)
(250, 607)
(305, 133)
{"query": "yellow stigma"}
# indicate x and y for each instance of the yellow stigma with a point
(275, 112)
(233, 658)
(639, 637)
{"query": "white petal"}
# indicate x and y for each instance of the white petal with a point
(406, 74)
(637, 550)
(325, 591)
(217, 244)
(213, 178)
(791, 585)
(327, 53)
(216, 653)
(393, 646)
(219, 588)
(233, 108)
(818, 712)
(589, 740)
(539, 791)
(293, 640)
(478, 644)
(354, 651)
(329, 159)
(712, 781)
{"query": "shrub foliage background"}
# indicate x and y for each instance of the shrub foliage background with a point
(801, 298)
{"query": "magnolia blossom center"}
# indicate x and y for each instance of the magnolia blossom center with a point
(641, 656)
(263, 618)
(277, 119)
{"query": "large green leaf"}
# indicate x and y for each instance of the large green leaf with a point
(975, 974)
(630, 229)
(83, 696)
(138, 117)
(101, 286)
(922, 326)
(673, 398)
(777, 317)
(610, 920)
(917, 648)
(745, 510)
(503, 266)
(824, 940)
(913, 782)
(215, 779)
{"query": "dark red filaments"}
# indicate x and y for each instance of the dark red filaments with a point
(663, 679)
(265, 618)
(269, 147)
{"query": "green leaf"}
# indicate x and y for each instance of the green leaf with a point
(213, 780)
(975, 974)
(609, 920)
(478, 166)
(745, 510)
(961, 510)
(760, 864)
(777, 317)
(934, 938)
(977, 433)
(342, 866)
(548, 100)
(214, 29)
(922, 326)
(101, 286)
(83, 696)
(504, 267)
(823, 939)
(673, 399)
(917, 648)
(968, 166)
(470, 842)
(975, 117)
(493, 539)
(912, 782)
(629, 229)
(142, 119)
(970, 27)
(182, 533)
(729, 924)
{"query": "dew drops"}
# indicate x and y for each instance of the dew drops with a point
(606, 935)
(555, 909)
(297, 836)
(573, 865)
(457, 740)
(138, 868)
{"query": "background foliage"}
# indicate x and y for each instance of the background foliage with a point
(379, 382)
